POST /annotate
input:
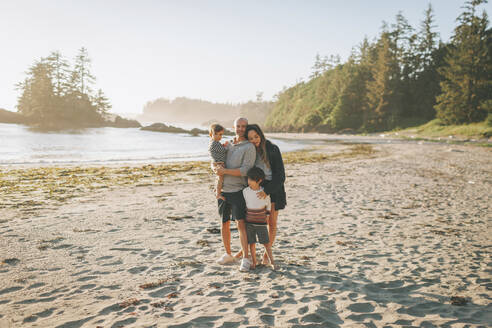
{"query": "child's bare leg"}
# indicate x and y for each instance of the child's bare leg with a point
(268, 249)
(218, 188)
(272, 230)
(252, 249)
(220, 182)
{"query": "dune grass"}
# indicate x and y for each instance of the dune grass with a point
(311, 156)
(435, 129)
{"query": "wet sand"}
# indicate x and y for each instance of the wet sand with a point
(379, 235)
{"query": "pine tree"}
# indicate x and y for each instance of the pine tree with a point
(380, 112)
(36, 100)
(428, 58)
(402, 44)
(317, 67)
(24, 99)
(81, 76)
(101, 103)
(427, 40)
(347, 112)
(323, 64)
(59, 70)
(466, 84)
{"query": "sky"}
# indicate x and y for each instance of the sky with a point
(215, 50)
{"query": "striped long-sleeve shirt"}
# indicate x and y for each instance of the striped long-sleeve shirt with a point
(217, 151)
(257, 208)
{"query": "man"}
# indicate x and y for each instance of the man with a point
(241, 157)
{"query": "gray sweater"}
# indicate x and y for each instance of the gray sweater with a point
(240, 156)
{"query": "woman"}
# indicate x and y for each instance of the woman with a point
(269, 159)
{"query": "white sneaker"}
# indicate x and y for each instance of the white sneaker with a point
(226, 258)
(245, 265)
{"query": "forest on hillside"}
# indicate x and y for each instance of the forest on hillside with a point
(405, 76)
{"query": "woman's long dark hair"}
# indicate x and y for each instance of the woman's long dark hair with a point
(262, 148)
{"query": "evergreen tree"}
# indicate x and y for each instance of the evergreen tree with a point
(101, 103)
(24, 99)
(347, 112)
(59, 72)
(81, 79)
(466, 84)
(429, 55)
(403, 47)
(36, 100)
(317, 67)
(427, 40)
(323, 64)
(380, 112)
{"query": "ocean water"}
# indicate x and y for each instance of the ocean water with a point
(22, 145)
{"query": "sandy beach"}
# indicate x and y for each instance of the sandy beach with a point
(379, 235)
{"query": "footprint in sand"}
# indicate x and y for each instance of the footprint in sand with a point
(87, 278)
(361, 307)
(88, 286)
(11, 261)
(162, 292)
(36, 300)
(80, 273)
(110, 287)
(268, 319)
(103, 297)
(36, 285)
(115, 263)
(101, 272)
(137, 270)
(363, 317)
(10, 289)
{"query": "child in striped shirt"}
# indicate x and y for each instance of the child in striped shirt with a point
(257, 216)
(218, 153)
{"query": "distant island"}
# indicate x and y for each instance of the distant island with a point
(57, 95)
(108, 120)
(161, 127)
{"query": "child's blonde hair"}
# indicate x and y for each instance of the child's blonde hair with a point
(214, 128)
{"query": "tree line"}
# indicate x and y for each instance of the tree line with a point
(197, 111)
(56, 93)
(404, 77)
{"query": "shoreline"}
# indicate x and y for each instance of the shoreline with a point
(383, 137)
(308, 140)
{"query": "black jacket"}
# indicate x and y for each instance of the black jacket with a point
(275, 188)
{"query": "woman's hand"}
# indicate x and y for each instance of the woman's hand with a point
(261, 194)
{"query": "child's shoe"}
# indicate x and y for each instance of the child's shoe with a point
(245, 265)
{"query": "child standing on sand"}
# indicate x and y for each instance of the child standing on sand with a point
(257, 216)
(218, 153)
